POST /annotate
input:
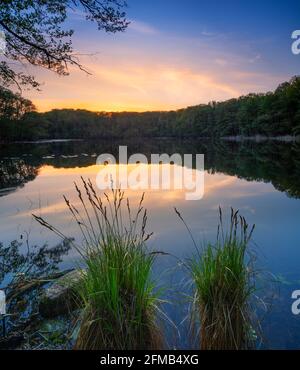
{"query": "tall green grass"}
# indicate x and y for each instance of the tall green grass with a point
(120, 299)
(223, 280)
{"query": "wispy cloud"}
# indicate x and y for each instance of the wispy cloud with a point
(142, 27)
(207, 33)
(221, 62)
(150, 69)
(255, 58)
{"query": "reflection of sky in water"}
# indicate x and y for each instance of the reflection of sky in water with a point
(277, 235)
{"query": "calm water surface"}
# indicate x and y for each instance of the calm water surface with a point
(261, 180)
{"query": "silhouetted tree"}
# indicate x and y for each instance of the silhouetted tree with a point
(35, 33)
(271, 114)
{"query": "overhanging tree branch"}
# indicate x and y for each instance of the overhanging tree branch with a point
(35, 34)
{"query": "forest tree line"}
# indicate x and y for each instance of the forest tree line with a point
(271, 114)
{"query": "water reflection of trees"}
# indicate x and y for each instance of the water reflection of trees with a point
(270, 161)
(15, 173)
(24, 269)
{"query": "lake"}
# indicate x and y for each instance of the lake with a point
(259, 179)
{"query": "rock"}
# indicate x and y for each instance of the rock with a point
(12, 341)
(59, 298)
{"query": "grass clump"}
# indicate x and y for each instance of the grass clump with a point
(223, 280)
(119, 297)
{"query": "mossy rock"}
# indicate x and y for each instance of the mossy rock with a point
(59, 298)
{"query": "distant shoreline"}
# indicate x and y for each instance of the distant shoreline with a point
(260, 138)
(240, 138)
(46, 141)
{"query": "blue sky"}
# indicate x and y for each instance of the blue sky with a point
(264, 27)
(176, 54)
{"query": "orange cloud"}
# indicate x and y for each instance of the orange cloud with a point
(134, 88)
(145, 69)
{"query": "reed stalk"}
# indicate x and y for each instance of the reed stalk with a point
(117, 293)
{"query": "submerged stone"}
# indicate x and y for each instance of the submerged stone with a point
(59, 297)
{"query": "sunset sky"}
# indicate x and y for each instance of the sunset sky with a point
(175, 54)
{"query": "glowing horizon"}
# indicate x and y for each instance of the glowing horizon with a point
(171, 61)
